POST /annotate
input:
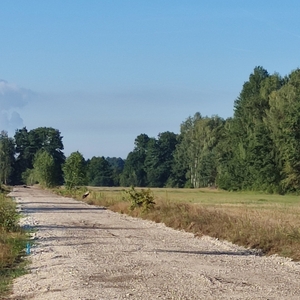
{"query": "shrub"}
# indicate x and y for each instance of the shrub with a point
(29, 177)
(8, 215)
(143, 199)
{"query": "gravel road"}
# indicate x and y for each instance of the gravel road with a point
(86, 252)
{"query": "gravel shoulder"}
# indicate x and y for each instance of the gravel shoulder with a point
(86, 252)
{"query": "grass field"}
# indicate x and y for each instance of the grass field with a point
(267, 222)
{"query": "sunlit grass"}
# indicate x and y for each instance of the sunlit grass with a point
(267, 222)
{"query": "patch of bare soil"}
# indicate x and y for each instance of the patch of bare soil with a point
(86, 252)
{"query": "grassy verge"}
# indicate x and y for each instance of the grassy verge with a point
(12, 244)
(267, 222)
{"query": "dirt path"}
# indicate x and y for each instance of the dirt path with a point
(85, 252)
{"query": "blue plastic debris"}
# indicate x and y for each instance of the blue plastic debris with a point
(28, 248)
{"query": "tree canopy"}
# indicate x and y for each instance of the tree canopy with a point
(28, 143)
(255, 149)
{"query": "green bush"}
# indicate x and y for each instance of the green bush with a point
(8, 214)
(29, 177)
(140, 199)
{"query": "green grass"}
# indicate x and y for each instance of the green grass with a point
(12, 244)
(255, 220)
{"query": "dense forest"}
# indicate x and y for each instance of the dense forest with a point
(256, 149)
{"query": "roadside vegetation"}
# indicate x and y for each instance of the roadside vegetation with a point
(12, 243)
(270, 223)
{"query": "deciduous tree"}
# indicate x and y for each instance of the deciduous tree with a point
(74, 170)
(7, 158)
(44, 168)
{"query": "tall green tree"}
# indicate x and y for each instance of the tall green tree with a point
(186, 154)
(7, 158)
(134, 169)
(99, 172)
(159, 159)
(251, 163)
(44, 168)
(24, 154)
(283, 121)
(74, 170)
(28, 143)
(196, 152)
(152, 164)
(179, 169)
(117, 166)
(167, 142)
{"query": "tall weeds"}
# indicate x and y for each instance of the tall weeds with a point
(12, 244)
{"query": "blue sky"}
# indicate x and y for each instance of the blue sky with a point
(105, 71)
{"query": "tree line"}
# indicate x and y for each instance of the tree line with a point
(36, 156)
(255, 149)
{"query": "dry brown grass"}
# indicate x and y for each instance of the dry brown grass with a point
(5, 255)
(267, 222)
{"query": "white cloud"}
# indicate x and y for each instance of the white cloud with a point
(12, 98)
(10, 121)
